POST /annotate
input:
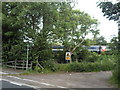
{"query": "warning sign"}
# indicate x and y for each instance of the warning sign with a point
(68, 56)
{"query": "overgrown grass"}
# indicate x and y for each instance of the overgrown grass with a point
(85, 67)
(103, 63)
(114, 81)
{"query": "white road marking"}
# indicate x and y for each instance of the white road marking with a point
(20, 84)
(61, 87)
(14, 77)
(47, 84)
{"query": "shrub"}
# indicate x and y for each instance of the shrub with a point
(59, 56)
(76, 67)
(49, 64)
(104, 63)
(38, 69)
(116, 74)
(62, 67)
(86, 56)
(86, 67)
(83, 55)
(92, 57)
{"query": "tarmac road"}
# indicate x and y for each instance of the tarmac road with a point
(12, 85)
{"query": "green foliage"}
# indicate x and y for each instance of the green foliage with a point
(104, 63)
(86, 67)
(50, 65)
(86, 56)
(43, 24)
(101, 41)
(112, 11)
(116, 74)
(92, 57)
(59, 56)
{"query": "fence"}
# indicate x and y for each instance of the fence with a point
(19, 64)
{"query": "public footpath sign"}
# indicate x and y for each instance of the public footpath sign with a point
(68, 56)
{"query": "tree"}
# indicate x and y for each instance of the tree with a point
(34, 22)
(73, 27)
(101, 41)
(20, 26)
(11, 34)
(112, 11)
(114, 42)
(43, 24)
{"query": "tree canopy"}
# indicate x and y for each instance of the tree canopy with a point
(112, 11)
(41, 25)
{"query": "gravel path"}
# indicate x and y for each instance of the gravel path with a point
(74, 80)
(68, 80)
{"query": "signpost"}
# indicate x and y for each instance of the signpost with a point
(68, 56)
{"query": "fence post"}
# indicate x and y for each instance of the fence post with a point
(15, 64)
(23, 65)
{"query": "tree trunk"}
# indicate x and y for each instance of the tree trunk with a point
(77, 46)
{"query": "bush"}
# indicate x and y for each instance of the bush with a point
(86, 56)
(116, 74)
(62, 67)
(92, 57)
(83, 67)
(83, 55)
(59, 56)
(76, 67)
(103, 63)
(49, 64)
(86, 67)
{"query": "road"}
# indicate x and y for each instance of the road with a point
(9, 84)
(61, 80)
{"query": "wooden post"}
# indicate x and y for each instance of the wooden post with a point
(23, 64)
(76, 60)
(15, 64)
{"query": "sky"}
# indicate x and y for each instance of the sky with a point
(107, 28)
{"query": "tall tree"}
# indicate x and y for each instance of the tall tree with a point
(101, 40)
(42, 24)
(11, 34)
(112, 11)
(34, 22)
(75, 28)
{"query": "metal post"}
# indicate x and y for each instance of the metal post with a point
(27, 57)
